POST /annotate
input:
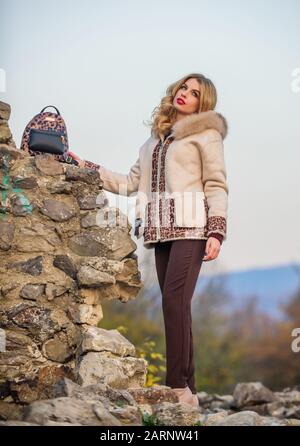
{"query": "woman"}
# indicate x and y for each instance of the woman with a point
(181, 208)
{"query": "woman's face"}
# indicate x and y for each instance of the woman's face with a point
(187, 98)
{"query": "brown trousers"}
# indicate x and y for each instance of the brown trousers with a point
(178, 263)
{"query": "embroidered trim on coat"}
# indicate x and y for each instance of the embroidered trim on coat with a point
(91, 165)
(217, 224)
(166, 206)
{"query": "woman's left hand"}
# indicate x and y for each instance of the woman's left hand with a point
(77, 158)
(212, 249)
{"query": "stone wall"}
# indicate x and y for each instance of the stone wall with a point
(58, 263)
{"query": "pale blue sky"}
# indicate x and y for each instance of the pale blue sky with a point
(106, 65)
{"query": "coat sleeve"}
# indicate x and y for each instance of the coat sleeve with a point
(124, 184)
(119, 183)
(215, 186)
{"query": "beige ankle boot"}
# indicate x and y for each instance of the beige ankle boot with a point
(184, 395)
(195, 400)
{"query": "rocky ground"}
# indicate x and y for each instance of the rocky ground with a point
(251, 404)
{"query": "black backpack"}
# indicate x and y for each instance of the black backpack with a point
(46, 132)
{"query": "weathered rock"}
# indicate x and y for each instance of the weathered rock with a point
(53, 290)
(288, 396)
(41, 386)
(60, 188)
(91, 413)
(111, 217)
(222, 402)
(153, 395)
(20, 359)
(94, 296)
(17, 423)
(103, 392)
(128, 280)
(124, 372)
(40, 323)
(283, 409)
(86, 314)
(292, 422)
(118, 402)
(33, 266)
(97, 339)
(175, 414)
(245, 418)
(118, 291)
(20, 205)
(57, 348)
(36, 237)
(5, 133)
(47, 165)
(6, 235)
(5, 111)
(89, 220)
(10, 411)
(32, 291)
(129, 274)
(9, 153)
(87, 202)
(214, 419)
(24, 183)
(6, 289)
(57, 210)
(66, 264)
(112, 267)
(90, 277)
(115, 244)
(88, 176)
(246, 394)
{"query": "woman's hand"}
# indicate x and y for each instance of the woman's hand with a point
(212, 249)
(76, 157)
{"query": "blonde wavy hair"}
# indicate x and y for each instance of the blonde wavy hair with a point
(164, 115)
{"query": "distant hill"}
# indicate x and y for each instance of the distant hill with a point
(271, 286)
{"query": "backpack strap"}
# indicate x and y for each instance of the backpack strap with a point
(57, 111)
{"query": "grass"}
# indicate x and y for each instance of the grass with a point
(152, 420)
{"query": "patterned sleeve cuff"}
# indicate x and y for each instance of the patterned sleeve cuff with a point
(217, 236)
(217, 223)
(91, 165)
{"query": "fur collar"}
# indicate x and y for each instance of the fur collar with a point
(198, 122)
